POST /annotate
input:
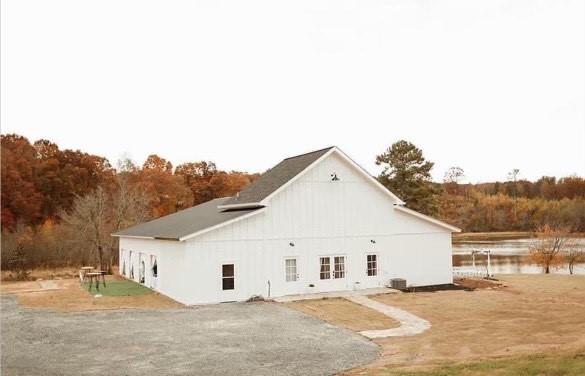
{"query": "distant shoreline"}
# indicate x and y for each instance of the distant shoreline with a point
(494, 236)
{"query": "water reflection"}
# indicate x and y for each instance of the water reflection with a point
(507, 257)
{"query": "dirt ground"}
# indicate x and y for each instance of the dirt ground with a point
(530, 314)
(67, 295)
(65, 272)
(344, 313)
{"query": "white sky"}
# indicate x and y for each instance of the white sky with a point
(486, 85)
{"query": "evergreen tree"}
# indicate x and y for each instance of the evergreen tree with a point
(407, 174)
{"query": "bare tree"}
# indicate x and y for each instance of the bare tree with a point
(546, 249)
(452, 179)
(454, 175)
(89, 218)
(573, 256)
(513, 177)
(130, 204)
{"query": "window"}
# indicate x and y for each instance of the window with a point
(291, 270)
(339, 270)
(372, 266)
(325, 268)
(227, 276)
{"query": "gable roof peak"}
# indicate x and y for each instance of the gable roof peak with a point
(274, 178)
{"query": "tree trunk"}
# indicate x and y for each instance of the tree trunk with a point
(547, 269)
(570, 267)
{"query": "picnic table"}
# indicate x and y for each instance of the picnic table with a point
(83, 272)
(95, 277)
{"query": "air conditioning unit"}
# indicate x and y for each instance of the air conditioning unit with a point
(398, 283)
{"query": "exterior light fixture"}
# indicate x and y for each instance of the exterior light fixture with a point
(373, 241)
(291, 244)
(334, 177)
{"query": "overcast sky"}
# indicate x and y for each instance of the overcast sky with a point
(485, 85)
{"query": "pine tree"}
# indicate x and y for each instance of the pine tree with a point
(407, 174)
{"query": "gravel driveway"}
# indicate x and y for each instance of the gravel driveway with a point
(226, 339)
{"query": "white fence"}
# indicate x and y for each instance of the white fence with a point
(469, 272)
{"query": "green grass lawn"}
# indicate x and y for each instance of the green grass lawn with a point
(119, 288)
(533, 365)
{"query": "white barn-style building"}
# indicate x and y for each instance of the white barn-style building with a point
(315, 222)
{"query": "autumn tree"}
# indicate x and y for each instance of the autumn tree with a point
(407, 173)
(21, 200)
(62, 175)
(546, 250)
(167, 193)
(197, 176)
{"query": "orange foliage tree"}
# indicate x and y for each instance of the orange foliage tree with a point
(546, 250)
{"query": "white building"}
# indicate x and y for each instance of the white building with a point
(315, 222)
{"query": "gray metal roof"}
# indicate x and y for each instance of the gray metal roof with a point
(184, 222)
(276, 177)
(200, 217)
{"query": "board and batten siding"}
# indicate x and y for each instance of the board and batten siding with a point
(351, 217)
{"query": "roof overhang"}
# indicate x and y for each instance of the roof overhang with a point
(219, 225)
(427, 218)
(116, 235)
(247, 205)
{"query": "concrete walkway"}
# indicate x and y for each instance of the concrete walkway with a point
(335, 294)
(409, 324)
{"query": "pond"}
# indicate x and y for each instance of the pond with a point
(507, 256)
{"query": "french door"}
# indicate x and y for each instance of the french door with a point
(332, 272)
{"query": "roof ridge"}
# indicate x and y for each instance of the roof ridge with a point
(310, 152)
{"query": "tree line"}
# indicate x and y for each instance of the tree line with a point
(59, 207)
(513, 205)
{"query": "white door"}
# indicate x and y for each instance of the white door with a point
(229, 282)
(332, 273)
(291, 276)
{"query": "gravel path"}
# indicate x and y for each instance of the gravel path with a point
(226, 339)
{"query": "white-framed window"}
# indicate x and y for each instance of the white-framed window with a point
(325, 268)
(372, 265)
(227, 277)
(339, 267)
(338, 270)
(290, 265)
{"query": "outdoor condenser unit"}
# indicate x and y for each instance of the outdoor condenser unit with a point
(398, 283)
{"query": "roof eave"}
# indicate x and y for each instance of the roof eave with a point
(427, 218)
(246, 205)
(132, 236)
